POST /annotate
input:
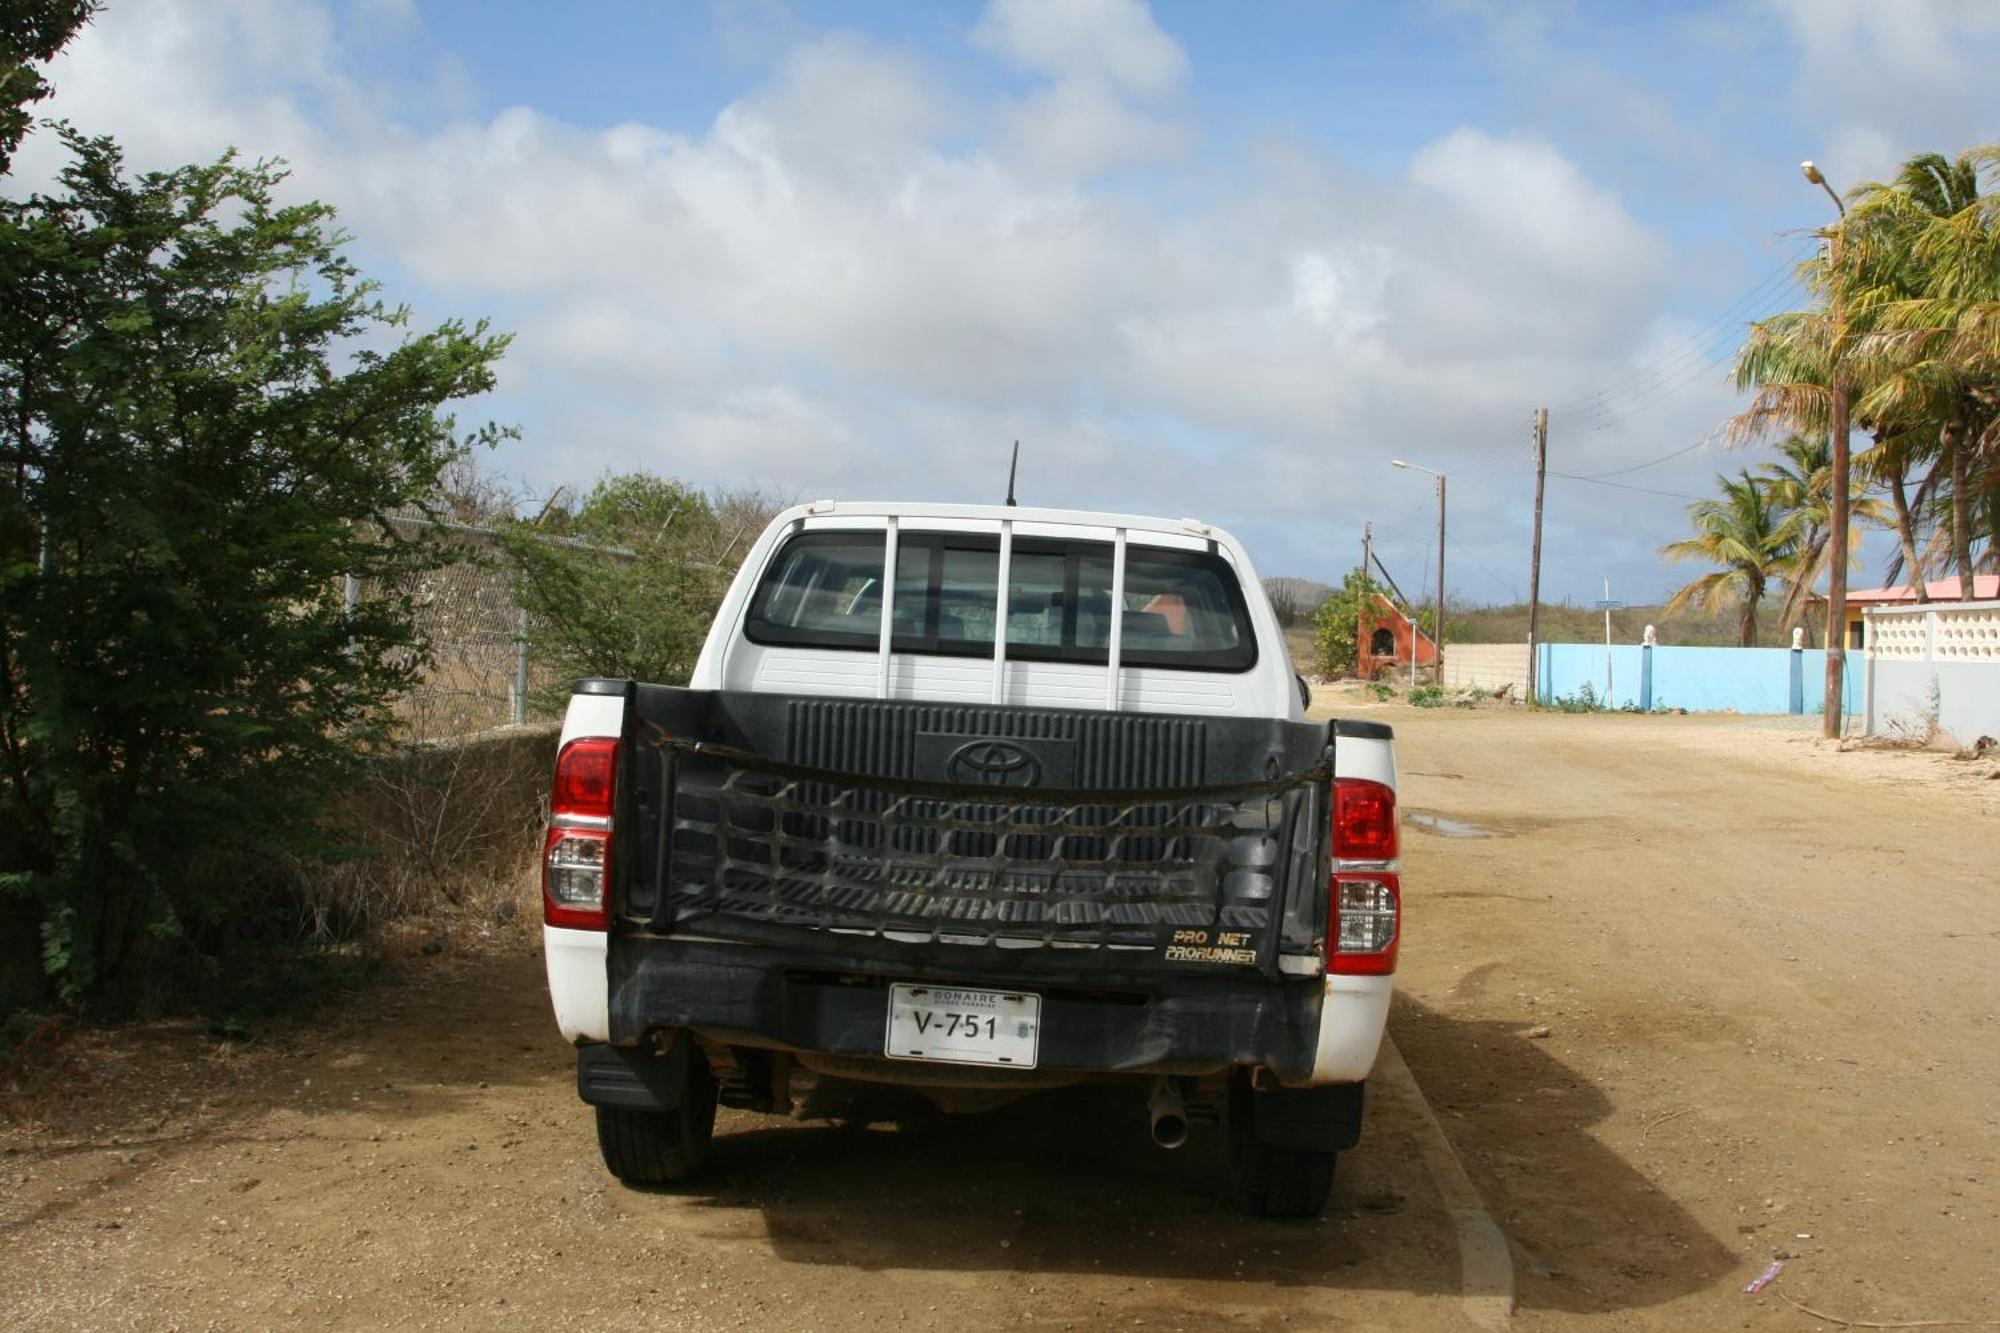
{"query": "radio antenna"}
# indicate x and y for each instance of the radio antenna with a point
(1012, 469)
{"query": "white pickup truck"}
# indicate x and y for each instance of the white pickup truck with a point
(878, 839)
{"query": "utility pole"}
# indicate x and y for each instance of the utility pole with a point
(1834, 720)
(1437, 638)
(1440, 601)
(1367, 547)
(1535, 559)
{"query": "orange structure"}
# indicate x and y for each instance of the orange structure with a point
(1383, 639)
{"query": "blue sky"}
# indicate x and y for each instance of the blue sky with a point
(1209, 259)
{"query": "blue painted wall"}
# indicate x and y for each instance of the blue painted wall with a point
(1701, 680)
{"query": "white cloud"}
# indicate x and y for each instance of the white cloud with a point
(1526, 192)
(836, 286)
(1890, 80)
(1079, 129)
(1109, 71)
(1113, 41)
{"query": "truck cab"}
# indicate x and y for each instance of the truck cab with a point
(979, 801)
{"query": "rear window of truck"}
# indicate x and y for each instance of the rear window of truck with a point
(1183, 609)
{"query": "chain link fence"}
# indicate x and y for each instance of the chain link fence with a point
(482, 671)
(480, 674)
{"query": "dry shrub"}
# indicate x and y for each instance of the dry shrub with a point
(454, 830)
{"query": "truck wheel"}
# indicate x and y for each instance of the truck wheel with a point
(1280, 1182)
(661, 1147)
(1268, 1181)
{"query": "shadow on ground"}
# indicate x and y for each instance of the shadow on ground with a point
(1069, 1182)
(1589, 1232)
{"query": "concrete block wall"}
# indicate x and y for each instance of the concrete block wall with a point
(1487, 666)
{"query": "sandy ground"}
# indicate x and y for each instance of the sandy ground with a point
(1769, 976)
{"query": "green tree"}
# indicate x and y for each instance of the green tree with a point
(31, 32)
(1800, 483)
(1749, 537)
(1336, 628)
(622, 583)
(206, 414)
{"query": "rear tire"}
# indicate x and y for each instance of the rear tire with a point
(661, 1147)
(1273, 1182)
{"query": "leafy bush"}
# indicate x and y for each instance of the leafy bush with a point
(1336, 625)
(1583, 701)
(625, 582)
(208, 414)
(1428, 696)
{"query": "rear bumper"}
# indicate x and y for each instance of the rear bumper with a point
(1301, 1029)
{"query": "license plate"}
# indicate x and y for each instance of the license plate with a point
(965, 1027)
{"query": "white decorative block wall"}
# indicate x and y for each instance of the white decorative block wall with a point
(1970, 635)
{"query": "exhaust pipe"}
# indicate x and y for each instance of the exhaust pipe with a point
(1168, 1114)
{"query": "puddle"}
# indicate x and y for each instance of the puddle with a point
(1446, 827)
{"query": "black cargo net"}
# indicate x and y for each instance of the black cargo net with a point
(758, 845)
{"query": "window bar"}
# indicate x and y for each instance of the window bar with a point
(1000, 608)
(1117, 619)
(888, 608)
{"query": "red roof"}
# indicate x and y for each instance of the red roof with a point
(1985, 588)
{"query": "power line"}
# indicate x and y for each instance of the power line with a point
(1511, 589)
(1647, 490)
(1466, 480)
(1425, 570)
(1671, 380)
(1390, 535)
(1779, 279)
(1652, 462)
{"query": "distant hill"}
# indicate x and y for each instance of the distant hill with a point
(1296, 600)
(1580, 624)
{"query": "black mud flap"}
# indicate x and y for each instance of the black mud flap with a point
(633, 1078)
(1322, 1119)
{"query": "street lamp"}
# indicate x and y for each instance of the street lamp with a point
(1835, 714)
(1439, 638)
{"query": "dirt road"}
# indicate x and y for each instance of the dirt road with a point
(1769, 978)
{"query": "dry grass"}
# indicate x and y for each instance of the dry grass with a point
(455, 825)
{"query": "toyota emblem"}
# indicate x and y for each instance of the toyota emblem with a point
(993, 764)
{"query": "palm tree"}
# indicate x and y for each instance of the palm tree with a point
(1799, 483)
(1918, 280)
(1746, 534)
(1923, 289)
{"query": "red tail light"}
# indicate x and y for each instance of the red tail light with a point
(1364, 906)
(576, 854)
(1364, 820)
(585, 771)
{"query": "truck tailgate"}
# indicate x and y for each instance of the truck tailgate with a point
(1046, 841)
